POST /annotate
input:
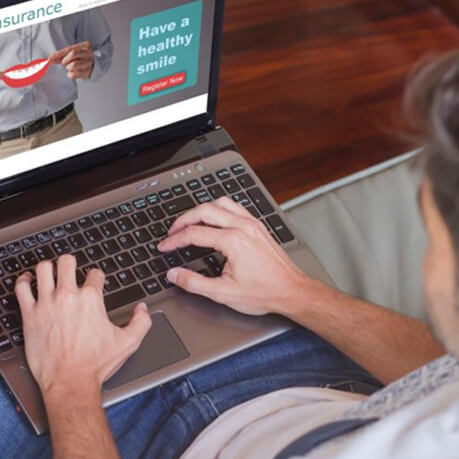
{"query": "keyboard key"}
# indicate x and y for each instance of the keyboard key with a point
(111, 247)
(142, 235)
(156, 213)
(238, 169)
(124, 260)
(10, 321)
(109, 230)
(28, 259)
(151, 286)
(126, 208)
(126, 241)
(193, 185)
(9, 283)
(217, 191)
(9, 303)
(112, 213)
(43, 237)
(11, 265)
(2, 290)
(223, 174)
(5, 344)
(242, 199)
(280, 229)
(142, 271)
(123, 297)
(202, 196)
(140, 203)
(61, 247)
(77, 241)
(246, 181)
(260, 201)
(29, 242)
(173, 259)
(126, 277)
(14, 248)
(158, 266)
(178, 190)
(81, 258)
(18, 338)
(166, 194)
(108, 266)
(253, 211)
(58, 232)
(158, 230)
(141, 219)
(153, 199)
(165, 281)
(45, 253)
(204, 272)
(93, 235)
(3, 253)
(208, 179)
(85, 222)
(125, 224)
(214, 265)
(140, 254)
(179, 205)
(71, 227)
(94, 253)
(98, 218)
(191, 252)
(169, 222)
(231, 186)
(111, 284)
(152, 247)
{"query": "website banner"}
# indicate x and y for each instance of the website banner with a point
(36, 11)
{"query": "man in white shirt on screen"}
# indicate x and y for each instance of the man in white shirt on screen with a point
(71, 48)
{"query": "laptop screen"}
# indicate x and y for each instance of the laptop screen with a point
(77, 75)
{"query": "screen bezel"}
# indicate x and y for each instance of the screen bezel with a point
(188, 128)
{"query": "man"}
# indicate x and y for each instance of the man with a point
(41, 112)
(234, 408)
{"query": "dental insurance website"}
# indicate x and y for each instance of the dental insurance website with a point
(76, 75)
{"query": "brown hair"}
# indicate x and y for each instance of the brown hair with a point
(432, 105)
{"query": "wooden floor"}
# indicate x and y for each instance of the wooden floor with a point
(311, 89)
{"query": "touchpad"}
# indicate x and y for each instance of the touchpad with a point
(160, 348)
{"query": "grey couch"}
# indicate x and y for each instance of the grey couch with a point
(367, 232)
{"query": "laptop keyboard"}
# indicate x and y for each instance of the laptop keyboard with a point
(122, 241)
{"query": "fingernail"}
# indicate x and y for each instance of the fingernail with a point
(143, 306)
(172, 275)
(160, 245)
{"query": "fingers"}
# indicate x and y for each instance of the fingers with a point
(75, 55)
(66, 272)
(209, 214)
(58, 56)
(231, 206)
(200, 236)
(23, 291)
(95, 279)
(45, 279)
(139, 325)
(193, 282)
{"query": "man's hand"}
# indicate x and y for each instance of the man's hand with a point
(78, 60)
(69, 340)
(258, 275)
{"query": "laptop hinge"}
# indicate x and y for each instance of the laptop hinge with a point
(206, 148)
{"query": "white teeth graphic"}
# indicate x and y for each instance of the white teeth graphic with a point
(27, 72)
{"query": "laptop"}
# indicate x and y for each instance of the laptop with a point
(100, 165)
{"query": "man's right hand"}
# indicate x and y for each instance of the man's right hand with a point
(258, 277)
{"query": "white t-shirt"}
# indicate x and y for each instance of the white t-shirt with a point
(419, 419)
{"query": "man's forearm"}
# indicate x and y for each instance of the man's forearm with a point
(385, 343)
(78, 424)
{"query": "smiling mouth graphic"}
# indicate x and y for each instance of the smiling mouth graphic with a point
(23, 75)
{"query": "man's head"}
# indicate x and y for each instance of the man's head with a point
(432, 100)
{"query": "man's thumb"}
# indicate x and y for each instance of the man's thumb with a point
(140, 323)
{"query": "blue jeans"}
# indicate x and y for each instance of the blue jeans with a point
(164, 421)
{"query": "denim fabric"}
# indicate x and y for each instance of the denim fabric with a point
(164, 421)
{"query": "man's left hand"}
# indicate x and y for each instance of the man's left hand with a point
(77, 59)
